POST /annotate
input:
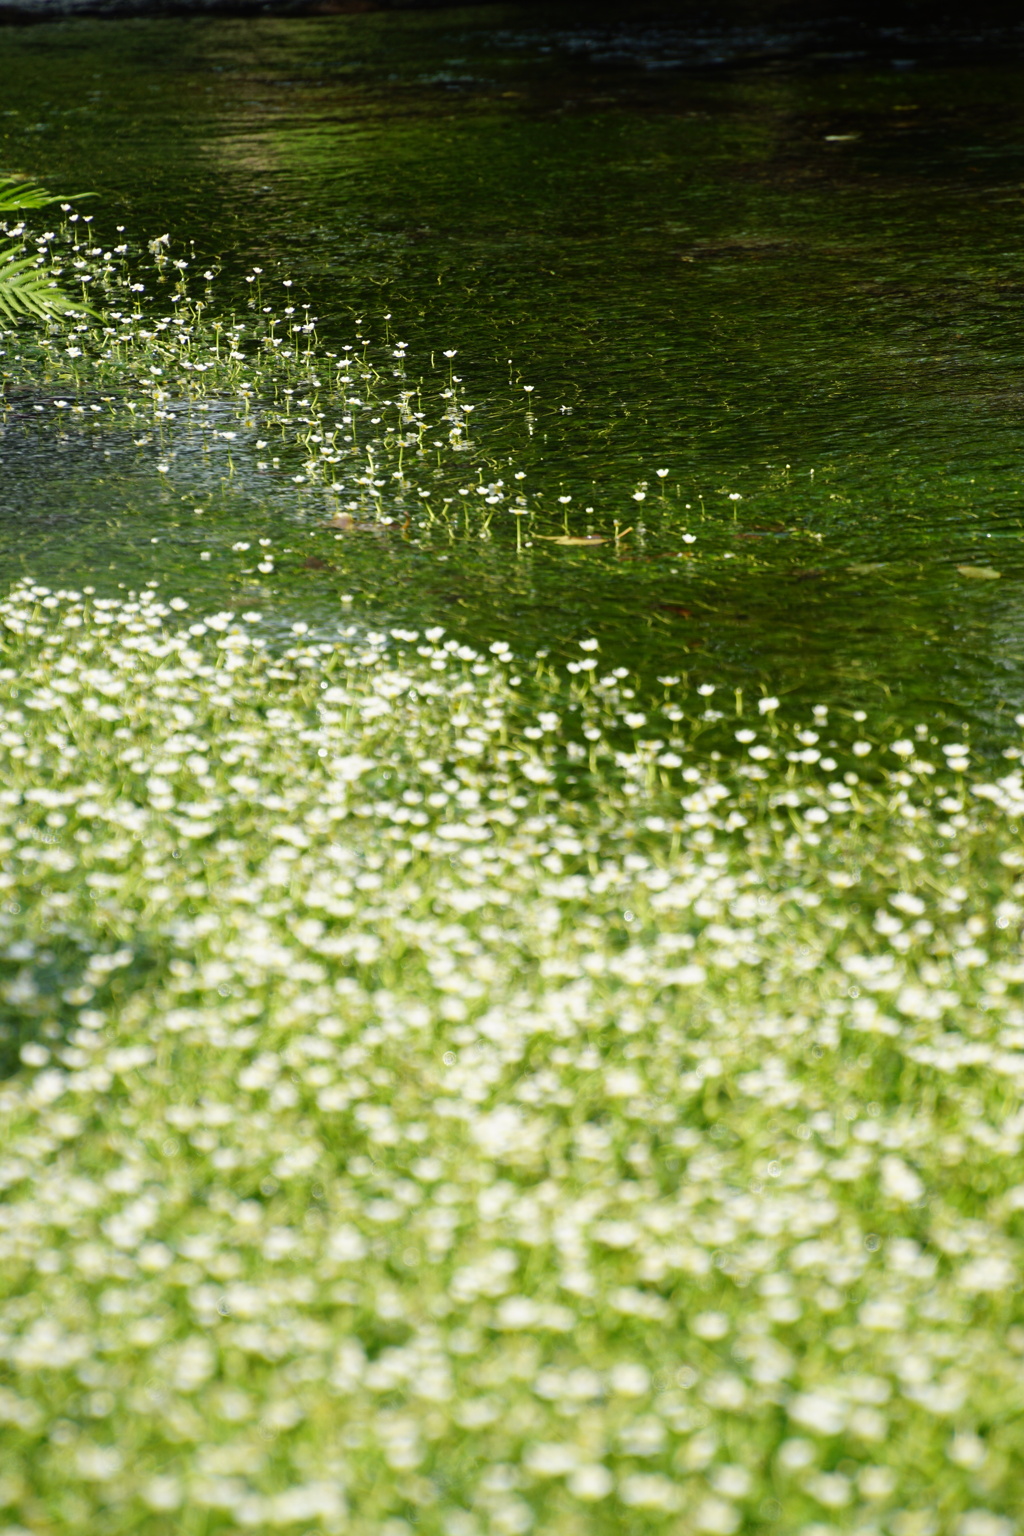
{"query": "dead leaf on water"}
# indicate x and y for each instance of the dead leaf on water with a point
(979, 572)
(566, 538)
(350, 524)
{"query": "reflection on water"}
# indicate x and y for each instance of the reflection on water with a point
(781, 263)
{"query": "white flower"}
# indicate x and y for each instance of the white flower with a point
(716, 1517)
(193, 1364)
(162, 1493)
(981, 1522)
(731, 1481)
(877, 1482)
(831, 1489)
(649, 1491)
(98, 1463)
(795, 1454)
(899, 1181)
(767, 705)
(551, 1460)
(629, 1380)
(987, 1274)
(967, 1450)
(591, 1482)
(710, 1325)
(820, 1412)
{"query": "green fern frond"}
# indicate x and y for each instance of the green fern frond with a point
(29, 293)
(16, 195)
(26, 292)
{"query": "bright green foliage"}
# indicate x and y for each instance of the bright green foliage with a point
(26, 291)
(17, 195)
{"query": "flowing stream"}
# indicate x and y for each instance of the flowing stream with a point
(782, 265)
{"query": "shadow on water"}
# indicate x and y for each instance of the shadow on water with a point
(777, 258)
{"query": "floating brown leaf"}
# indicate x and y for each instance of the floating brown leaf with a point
(566, 538)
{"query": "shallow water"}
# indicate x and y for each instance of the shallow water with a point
(782, 264)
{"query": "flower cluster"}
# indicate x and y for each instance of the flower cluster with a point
(449, 1094)
(261, 397)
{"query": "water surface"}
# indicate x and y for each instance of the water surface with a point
(782, 263)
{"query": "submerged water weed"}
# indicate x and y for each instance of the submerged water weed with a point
(454, 1103)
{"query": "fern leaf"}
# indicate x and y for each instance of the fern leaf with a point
(16, 195)
(29, 293)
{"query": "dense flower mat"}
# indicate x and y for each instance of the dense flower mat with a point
(452, 1100)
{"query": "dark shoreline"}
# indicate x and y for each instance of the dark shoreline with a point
(895, 14)
(38, 12)
(919, 19)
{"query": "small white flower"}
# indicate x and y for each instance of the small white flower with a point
(820, 1412)
(981, 1522)
(967, 1450)
(629, 1380)
(551, 1460)
(716, 1517)
(710, 1325)
(162, 1493)
(831, 1489)
(591, 1482)
(989, 1274)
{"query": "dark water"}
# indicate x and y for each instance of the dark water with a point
(781, 261)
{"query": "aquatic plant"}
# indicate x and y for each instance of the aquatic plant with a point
(353, 421)
(450, 1096)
